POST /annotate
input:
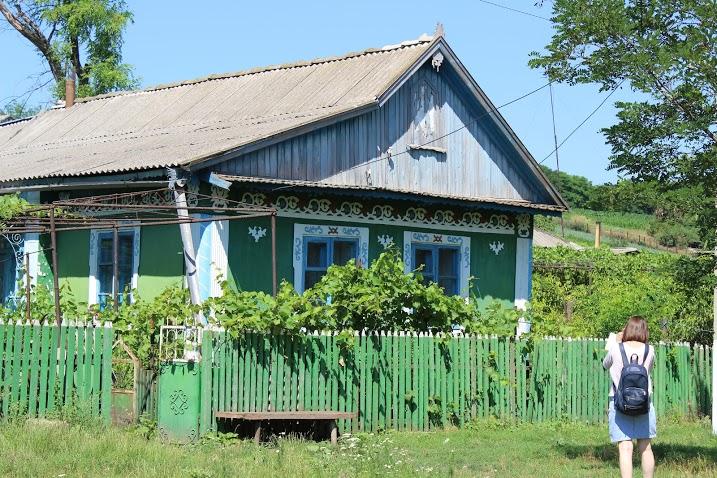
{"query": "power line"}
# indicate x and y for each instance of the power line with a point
(522, 12)
(582, 122)
(490, 112)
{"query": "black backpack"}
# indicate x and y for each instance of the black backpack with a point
(632, 393)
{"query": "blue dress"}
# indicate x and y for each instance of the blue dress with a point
(626, 427)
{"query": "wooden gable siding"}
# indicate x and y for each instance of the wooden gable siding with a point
(479, 162)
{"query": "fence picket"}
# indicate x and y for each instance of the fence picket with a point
(410, 381)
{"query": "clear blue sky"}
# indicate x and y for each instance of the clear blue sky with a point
(178, 40)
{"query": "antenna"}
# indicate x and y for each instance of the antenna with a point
(557, 157)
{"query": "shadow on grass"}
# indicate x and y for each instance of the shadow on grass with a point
(665, 453)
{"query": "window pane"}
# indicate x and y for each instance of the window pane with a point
(450, 286)
(424, 257)
(447, 263)
(105, 278)
(316, 253)
(106, 250)
(312, 277)
(344, 251)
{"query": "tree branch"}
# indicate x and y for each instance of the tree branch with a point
(28, 28)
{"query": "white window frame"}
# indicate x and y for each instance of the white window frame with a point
(302, 231)
(94, 284)
(463, 243)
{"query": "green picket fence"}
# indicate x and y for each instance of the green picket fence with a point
(44, 367)
(145, 389)
(421, 381)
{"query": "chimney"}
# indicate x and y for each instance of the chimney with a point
(70, 87)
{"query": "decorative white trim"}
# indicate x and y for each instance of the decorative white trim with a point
(17, 245)
(497, 247)
(324, 230)
(522, 225)
(32, 247)
(220, 197)
(94, 244)
(257, 232)
(523, 271)
(32, 242)
(352, 211)
(462, 242)
(385, 240)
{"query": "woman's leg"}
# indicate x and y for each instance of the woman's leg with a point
(648, 459)
(625, 449)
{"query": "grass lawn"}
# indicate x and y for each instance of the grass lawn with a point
(485, 449)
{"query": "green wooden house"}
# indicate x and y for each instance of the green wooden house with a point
(390, 147)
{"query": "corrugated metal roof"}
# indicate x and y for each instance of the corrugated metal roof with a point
(319, 184)
(542, 238)
(177, 124)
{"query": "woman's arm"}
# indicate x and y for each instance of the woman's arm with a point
(609, 344)
(607, 361)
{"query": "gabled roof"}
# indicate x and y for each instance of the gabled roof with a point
(196, 123)
(180, 124)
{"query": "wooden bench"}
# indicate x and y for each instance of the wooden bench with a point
(258, 417)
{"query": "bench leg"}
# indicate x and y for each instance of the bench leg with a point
(257, 432)
(334, 430)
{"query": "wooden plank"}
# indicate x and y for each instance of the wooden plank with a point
(97, 352)
(205, 402)
(34, 368)
(267, 361)
(53, 366)
(105, 379)
(25, 371)
(236, 375)
(69, 364)
(8, 369)
(298, 415)
(3, 351)
(44, 368)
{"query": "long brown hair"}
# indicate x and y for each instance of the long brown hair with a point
(635, 330)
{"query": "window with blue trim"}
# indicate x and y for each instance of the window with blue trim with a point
(321, 252)
(105, 268)
(8, 271)
(440, 265)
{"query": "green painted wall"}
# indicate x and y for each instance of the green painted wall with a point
(250, 261)
(493, 275)
(73, 262)
(161, 264)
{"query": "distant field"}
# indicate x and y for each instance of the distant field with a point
(614, 220)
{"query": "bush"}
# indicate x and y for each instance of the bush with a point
(673, 293)
(346, 299)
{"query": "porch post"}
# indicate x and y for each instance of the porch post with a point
(185, 229)
(55, 271)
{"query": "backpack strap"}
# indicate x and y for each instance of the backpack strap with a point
(624, 356)
(647, 351)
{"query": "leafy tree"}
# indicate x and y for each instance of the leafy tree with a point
(666, 50)
(83, 34)
(17, 110)
(576, 190)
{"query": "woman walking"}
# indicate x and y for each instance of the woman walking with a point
(631, 415)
